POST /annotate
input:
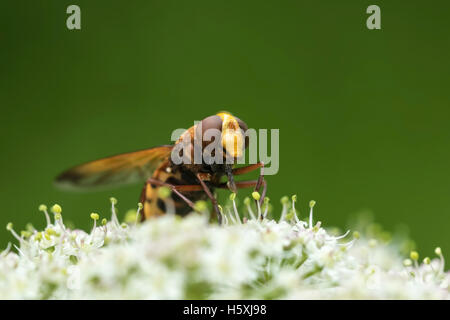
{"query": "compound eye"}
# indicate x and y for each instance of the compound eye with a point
(212, 122)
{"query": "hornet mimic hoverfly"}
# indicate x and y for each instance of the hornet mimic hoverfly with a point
(189, 181)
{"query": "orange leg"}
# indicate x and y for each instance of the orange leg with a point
(177, 189)
(248, 184)
(211, 197)
(259, 182)
(249, 168)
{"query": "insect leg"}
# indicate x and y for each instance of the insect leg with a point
(248, 184)
(176, 189)
(260, 180)
(188, 187)
(263, 194)
(211, 197)
(249, 168)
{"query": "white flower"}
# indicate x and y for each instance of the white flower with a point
(190, 258)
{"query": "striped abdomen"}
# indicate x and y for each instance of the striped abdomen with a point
(154, 206)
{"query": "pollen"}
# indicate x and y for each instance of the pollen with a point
(256, 195)
(56, 208)
(95, 216)
(414, 255)
(285, 200)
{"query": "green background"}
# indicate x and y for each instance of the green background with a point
(363, 114)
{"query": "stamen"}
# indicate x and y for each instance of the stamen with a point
(294, 200)
(438, 252)
(249, 208)
(140, 206)
(284, 202)
(56, 208)
(114, 218)
(312, 203)
(266, 208)
(345, 234)
(317, 227)
(9, 227)
(5, 252)
(414, 255)
(407, 262)
(224, 216)
(290, 215)
(104, 223)
(95, 217)
(236, 213)
(25, 234)
(233, 221)
(256, 196)
(38, 236)
(43, 208)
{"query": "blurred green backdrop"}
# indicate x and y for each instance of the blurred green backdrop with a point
(363, 115)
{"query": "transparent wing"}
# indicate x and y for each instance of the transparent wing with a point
(120, 169)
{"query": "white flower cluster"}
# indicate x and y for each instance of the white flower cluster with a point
(190, 258)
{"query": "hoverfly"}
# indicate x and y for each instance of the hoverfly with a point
(189, 182)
